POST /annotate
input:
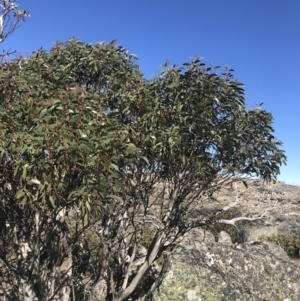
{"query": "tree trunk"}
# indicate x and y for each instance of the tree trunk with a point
(64, 271)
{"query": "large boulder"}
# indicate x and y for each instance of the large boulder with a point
(202, 269)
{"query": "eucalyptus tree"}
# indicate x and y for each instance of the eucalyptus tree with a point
(59, 152)
(100, 168)
(196, 134)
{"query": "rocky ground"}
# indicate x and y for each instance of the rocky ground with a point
(239, 263)
(281, 200)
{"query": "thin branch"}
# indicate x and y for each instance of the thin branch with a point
(242, 218)
(124, 293)
(232, 222)
(127, 274)
(7, 8)
(232, 205)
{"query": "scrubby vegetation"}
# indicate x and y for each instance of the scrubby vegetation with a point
(290, 242)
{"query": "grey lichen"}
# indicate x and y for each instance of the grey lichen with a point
(209, 271)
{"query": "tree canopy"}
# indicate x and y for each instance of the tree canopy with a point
(95, 160)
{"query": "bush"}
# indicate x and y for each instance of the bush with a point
(290, 242)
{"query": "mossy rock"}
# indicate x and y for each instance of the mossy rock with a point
(209, 271)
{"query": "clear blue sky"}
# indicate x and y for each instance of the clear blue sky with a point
(259, 39)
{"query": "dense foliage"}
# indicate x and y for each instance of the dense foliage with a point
(94, 157)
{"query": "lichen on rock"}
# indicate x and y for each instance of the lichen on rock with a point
(202, 269)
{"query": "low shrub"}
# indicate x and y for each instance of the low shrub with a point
(290, 242)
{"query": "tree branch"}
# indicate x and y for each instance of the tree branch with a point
(5, 16)
(242, 218)
(127, 274)
(124, 293)
(232, 222)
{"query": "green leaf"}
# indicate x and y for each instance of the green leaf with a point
(24, 201)
(60, 186)
(82, 134)
(81, 191)
(20, 193)
(52, 201)
(42, 113)
(145, 159)
(115, 197)
(34, 181)
(114, 166)
(16, 171)
(24, 174)
(131, 148)
(88, 206)
(85, 220)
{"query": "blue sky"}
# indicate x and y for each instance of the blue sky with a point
(259, 39)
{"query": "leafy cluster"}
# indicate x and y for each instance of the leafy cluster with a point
(59, 143)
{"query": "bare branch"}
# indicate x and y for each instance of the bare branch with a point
(127, 274)
(242, 218)
(232, 222)
(237, 200)
(9, 10)
(147, 263)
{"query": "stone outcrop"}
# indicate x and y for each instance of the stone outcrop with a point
(209, 267)
(201, 269)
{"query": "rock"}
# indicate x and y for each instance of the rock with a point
(276, 250)
(224, 238)
(255, 234)
(198, 236)
(210, 271)
(288, 222)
